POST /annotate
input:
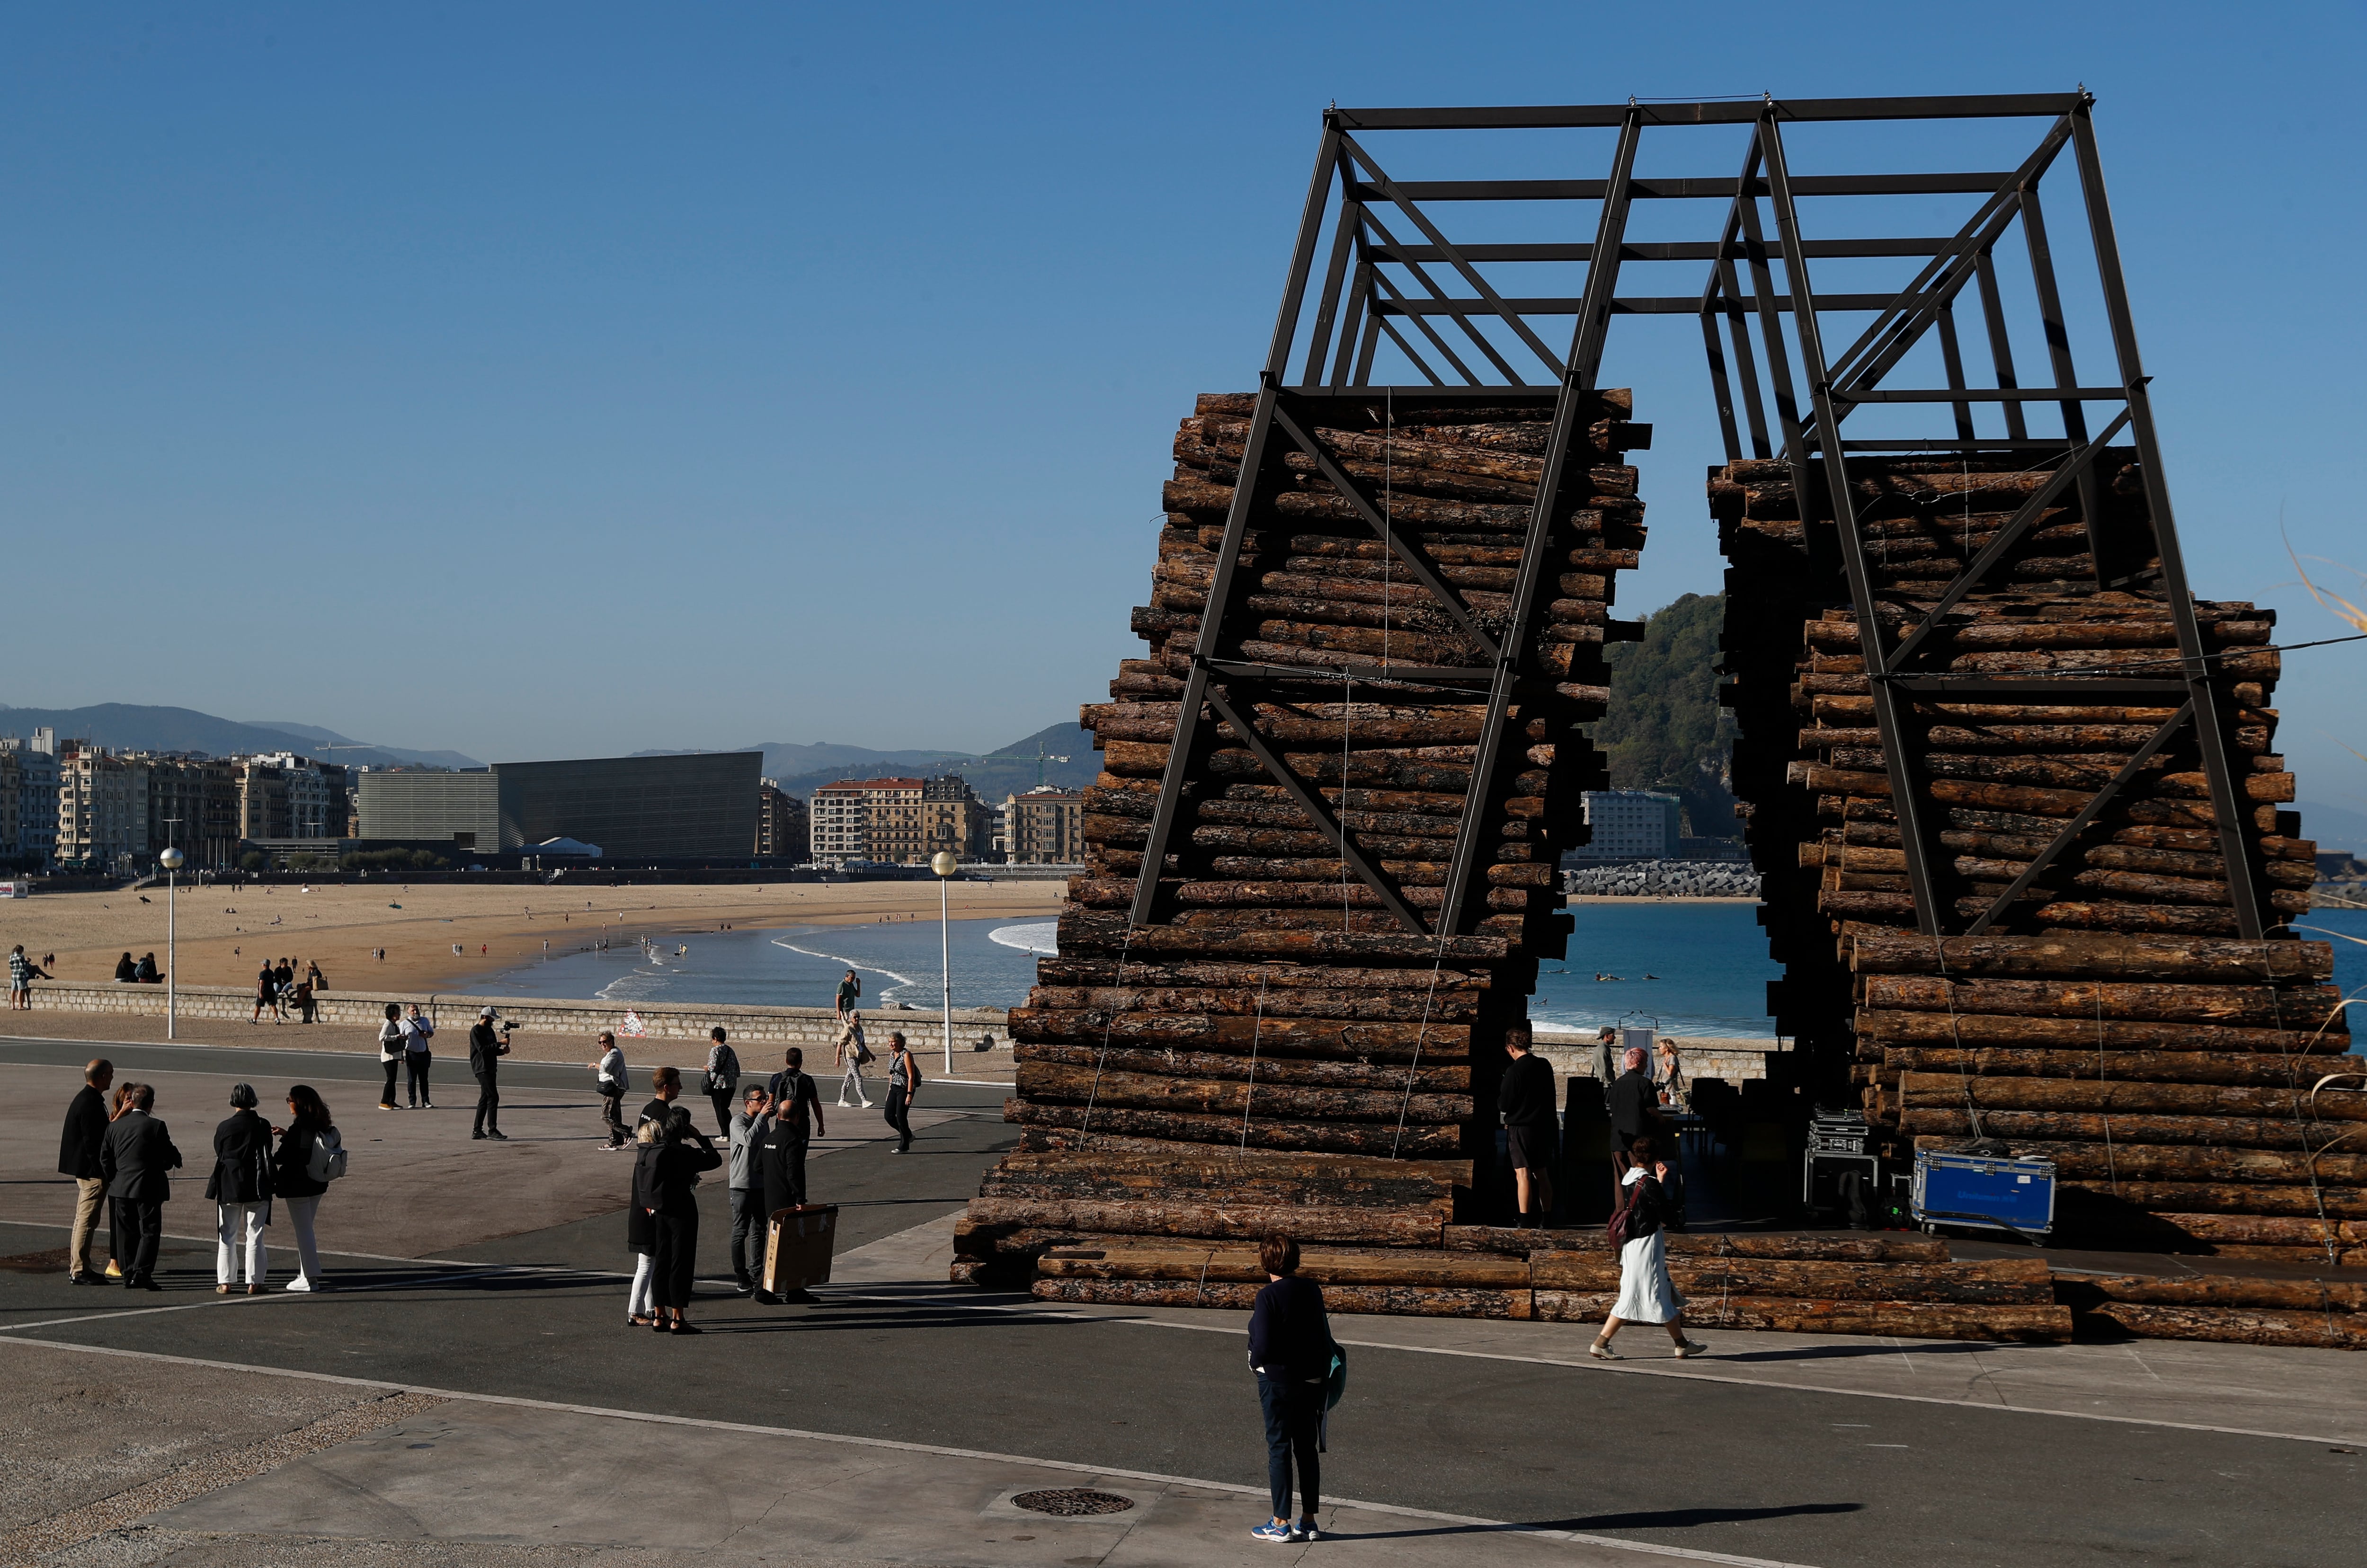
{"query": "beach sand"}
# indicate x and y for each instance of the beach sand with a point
(226, 933)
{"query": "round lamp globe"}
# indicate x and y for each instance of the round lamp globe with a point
(172, 859)
(942, 862)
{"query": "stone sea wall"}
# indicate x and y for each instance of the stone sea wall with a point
(1666, 879)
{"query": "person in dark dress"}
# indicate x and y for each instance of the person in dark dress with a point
(1290, 1350)
(1531, 1132)
(135, 1158)
(670, 1194)
(241, 1189)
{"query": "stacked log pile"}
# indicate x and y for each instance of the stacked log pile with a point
(2109, 1022)
(1277, 1050)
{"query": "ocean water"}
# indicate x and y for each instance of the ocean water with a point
(1677, 967)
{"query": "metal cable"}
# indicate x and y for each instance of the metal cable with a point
(1109, 1021)
(2300, 1106)
(1257, 1030)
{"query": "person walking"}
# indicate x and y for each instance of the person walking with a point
(854, 1056)
(1674, 1088)
(86, 1130)
(267, 991)
(797, 1107)
(309, 1133)
(486, 1050)
(283, 987)
(850, 992)
(747, 1188)
(1647, 1294)
(670, 1195)
(903, 1085)
(1290, 1352)
(241, 1189)
(722, 1080)
(612, 1084)
(391, 1054)
(1634, 1102)
(1531, 1132)
(665, 1088)
(135, 1158)
(418, 1029)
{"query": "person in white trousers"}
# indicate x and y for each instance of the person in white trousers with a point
(852, 1055)
(241, 1189)
(641, 1301)
(292, 1179)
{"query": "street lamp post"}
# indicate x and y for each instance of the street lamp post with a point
(942, 862)
(171, 861)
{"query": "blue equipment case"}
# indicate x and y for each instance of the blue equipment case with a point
(1984, 1190)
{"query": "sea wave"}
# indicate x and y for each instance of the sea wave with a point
(1038, 937)
(903, 981)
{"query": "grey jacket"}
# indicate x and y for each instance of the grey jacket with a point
(744, 1130)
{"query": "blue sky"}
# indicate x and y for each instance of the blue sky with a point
(570, 380)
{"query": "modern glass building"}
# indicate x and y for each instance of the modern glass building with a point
(698, 806)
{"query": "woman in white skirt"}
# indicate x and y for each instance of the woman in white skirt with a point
(1647, 1294)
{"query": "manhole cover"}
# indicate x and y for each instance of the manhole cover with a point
(1073, 1503)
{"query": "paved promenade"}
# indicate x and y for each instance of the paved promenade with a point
(470, 1396)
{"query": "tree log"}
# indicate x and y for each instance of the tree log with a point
(2157, 1162)
(1389, 1266)
(2236, 1325)
(1277, 979)
(1114, 936)
(1906, 1320)
(2084, 1293)
(1394, 1300)
(2086, 956)
(2020, 1282)
(2072, 1031)
(2222, 1197)
(1393, 1006)
(1054, 1082)
(2127, 1066)
(2296, 1008)
(1200, 1165)
(2120, 1091)
(1231, 1033)
(1417, 1141)
(2274, 1231)
(1879, 1248)
(2226, 1132)
(1302, 1222)
(1295, 1072)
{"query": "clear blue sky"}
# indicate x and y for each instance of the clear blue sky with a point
(571, 379)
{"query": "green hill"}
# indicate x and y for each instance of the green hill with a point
(1664, 729)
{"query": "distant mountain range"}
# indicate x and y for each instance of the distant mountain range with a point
(2333, 828)
(129, 727)
(1070, 762)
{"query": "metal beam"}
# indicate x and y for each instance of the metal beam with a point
(2079, 824)
(1991, 105)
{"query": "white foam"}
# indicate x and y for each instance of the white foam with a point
(1038, 937)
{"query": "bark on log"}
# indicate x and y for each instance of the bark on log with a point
(1113, 936)
(1199, 1166)
(1882, 1248)
(1280, 980)
(1056, 1083)
(1396, 1006)
(1393, 1301)
(2295, 1009)
(2236, 1325)
(1417, 1141)
(1230, 1033)
(2224, 1132)
(1287, 1071)
(2084, 956)
(2118, 1091)
(2157, 1162)
(1303, 1222)
(1392, 1266)
(2270, 1230)
(2084, 1293)
(2072, 1031)
(1906, 1320)
(2017, 1282)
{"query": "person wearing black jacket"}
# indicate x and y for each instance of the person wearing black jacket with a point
(1290, 1350)
(136, 1157)
(797, 1106)
(1634, 1102)
(665, 1186)
(1531, 1132)
(86, 1130)
(486, 1050)
(291, 1179)
(241, 1189)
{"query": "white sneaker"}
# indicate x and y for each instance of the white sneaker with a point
(842, 1105)
(300, 1283)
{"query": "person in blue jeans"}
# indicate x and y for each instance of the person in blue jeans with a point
(1290, 1350)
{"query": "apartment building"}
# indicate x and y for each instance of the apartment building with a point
(11, 806)
(193, 806)
(782, 826)
(1044, 827)
(1629, 824)
(868, 819)
(954, 818)
(36, 795)
(102, 808)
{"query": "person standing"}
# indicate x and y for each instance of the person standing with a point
(722, 1080)
(797, 1106)
(1290, 1350)
(1671, 1074)
(1606, 1061)
(266, 990)
(486, 1049)
(850, 992)
(747, 1188)
(1634, 1102)
(1531, 1132)
(241, 1189)
(389, 1055)
(665, 1088)
(135, 1158)
(641, 1229)
(22, 973)
(903, 1085)
(293, 1181)
(854, 1056)
(1647, 1294)
(418, 1029)
(304, 1006)
(283, 989)
(611, 1083)
(673, 1201)
(86, 1130)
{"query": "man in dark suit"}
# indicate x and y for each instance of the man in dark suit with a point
(78, 1158)
(486, 1050)
(134, 1158)
(1634, 1102)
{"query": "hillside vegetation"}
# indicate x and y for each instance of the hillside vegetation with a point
(1664, 729)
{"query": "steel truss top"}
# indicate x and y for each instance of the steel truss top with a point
(1449, 309)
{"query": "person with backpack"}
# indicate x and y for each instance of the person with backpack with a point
(1640, 1231)
(418, 1029)
(722, 1080)
(241, 1189)
(311, 1155)
(389, 1055)
(853, 1054)
(1291, 1352)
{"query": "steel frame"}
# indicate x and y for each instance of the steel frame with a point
(1376, 285)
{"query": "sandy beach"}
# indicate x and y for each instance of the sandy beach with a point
(226, 933)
